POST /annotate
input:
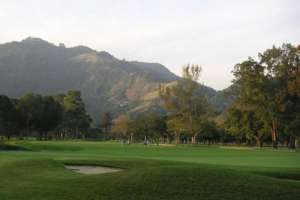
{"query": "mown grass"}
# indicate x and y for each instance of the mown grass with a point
(151, 172)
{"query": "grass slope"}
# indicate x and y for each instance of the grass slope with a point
(152, 172)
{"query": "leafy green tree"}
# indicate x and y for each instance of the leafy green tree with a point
(177, 126)
(148, 128)
(137, 128)
(75, 118)
(106, 123)
(233, 123)
(270, 88)
(186, 104)
(30, 107)
(34, 114)
(51, 117)
(8, 116)
(257, 93)
(121, 126)
(283, 65)
(41, 114)
(156, 126)
(245, 124)
(254, 128)
(209, 131)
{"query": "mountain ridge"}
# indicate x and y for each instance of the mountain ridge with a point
(107, 83)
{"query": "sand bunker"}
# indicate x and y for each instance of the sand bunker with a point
(87, 169)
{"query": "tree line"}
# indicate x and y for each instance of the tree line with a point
(44, 117)
(188, 118)
(266, 107)
(155, 129)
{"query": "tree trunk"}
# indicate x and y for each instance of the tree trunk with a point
(168, 140)
(259, 142)
(131, 138)
(194, 139)
(286, 143)
(292, 142)
(177, 138)
(77, 133)
(27, 129)
(46, 135)
(40, 136)
(145, 140)
(274, 135)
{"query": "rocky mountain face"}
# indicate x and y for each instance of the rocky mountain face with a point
(106, 83)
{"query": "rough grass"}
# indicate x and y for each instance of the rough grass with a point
(151, 172)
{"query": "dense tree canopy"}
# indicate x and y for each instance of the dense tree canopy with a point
(8, 116)
(35, 115)
(186, 104)
(75, 120)
(268, 96)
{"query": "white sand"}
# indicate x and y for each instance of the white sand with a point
(86, 169)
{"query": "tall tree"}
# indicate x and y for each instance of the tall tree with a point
(156, 126)
(209, 131)
(244, 124)
(76, 119)
(269, 87)
(52, 115)
(177, 126)
(233, 123)
(122, 126)
(41, 114)
(30, 107)
(185, 102)
(106, 123)
(283, 66)
(8, 116)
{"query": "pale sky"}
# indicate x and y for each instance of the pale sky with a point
(214, 34)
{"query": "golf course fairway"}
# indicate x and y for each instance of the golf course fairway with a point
(147, 172)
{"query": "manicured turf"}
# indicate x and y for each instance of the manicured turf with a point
(151, 172)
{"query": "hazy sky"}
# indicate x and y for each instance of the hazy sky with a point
(214, 34)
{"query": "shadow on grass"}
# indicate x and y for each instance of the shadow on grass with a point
(284, 176)
(12, 147)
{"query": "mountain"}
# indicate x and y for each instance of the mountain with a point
(107, 83)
